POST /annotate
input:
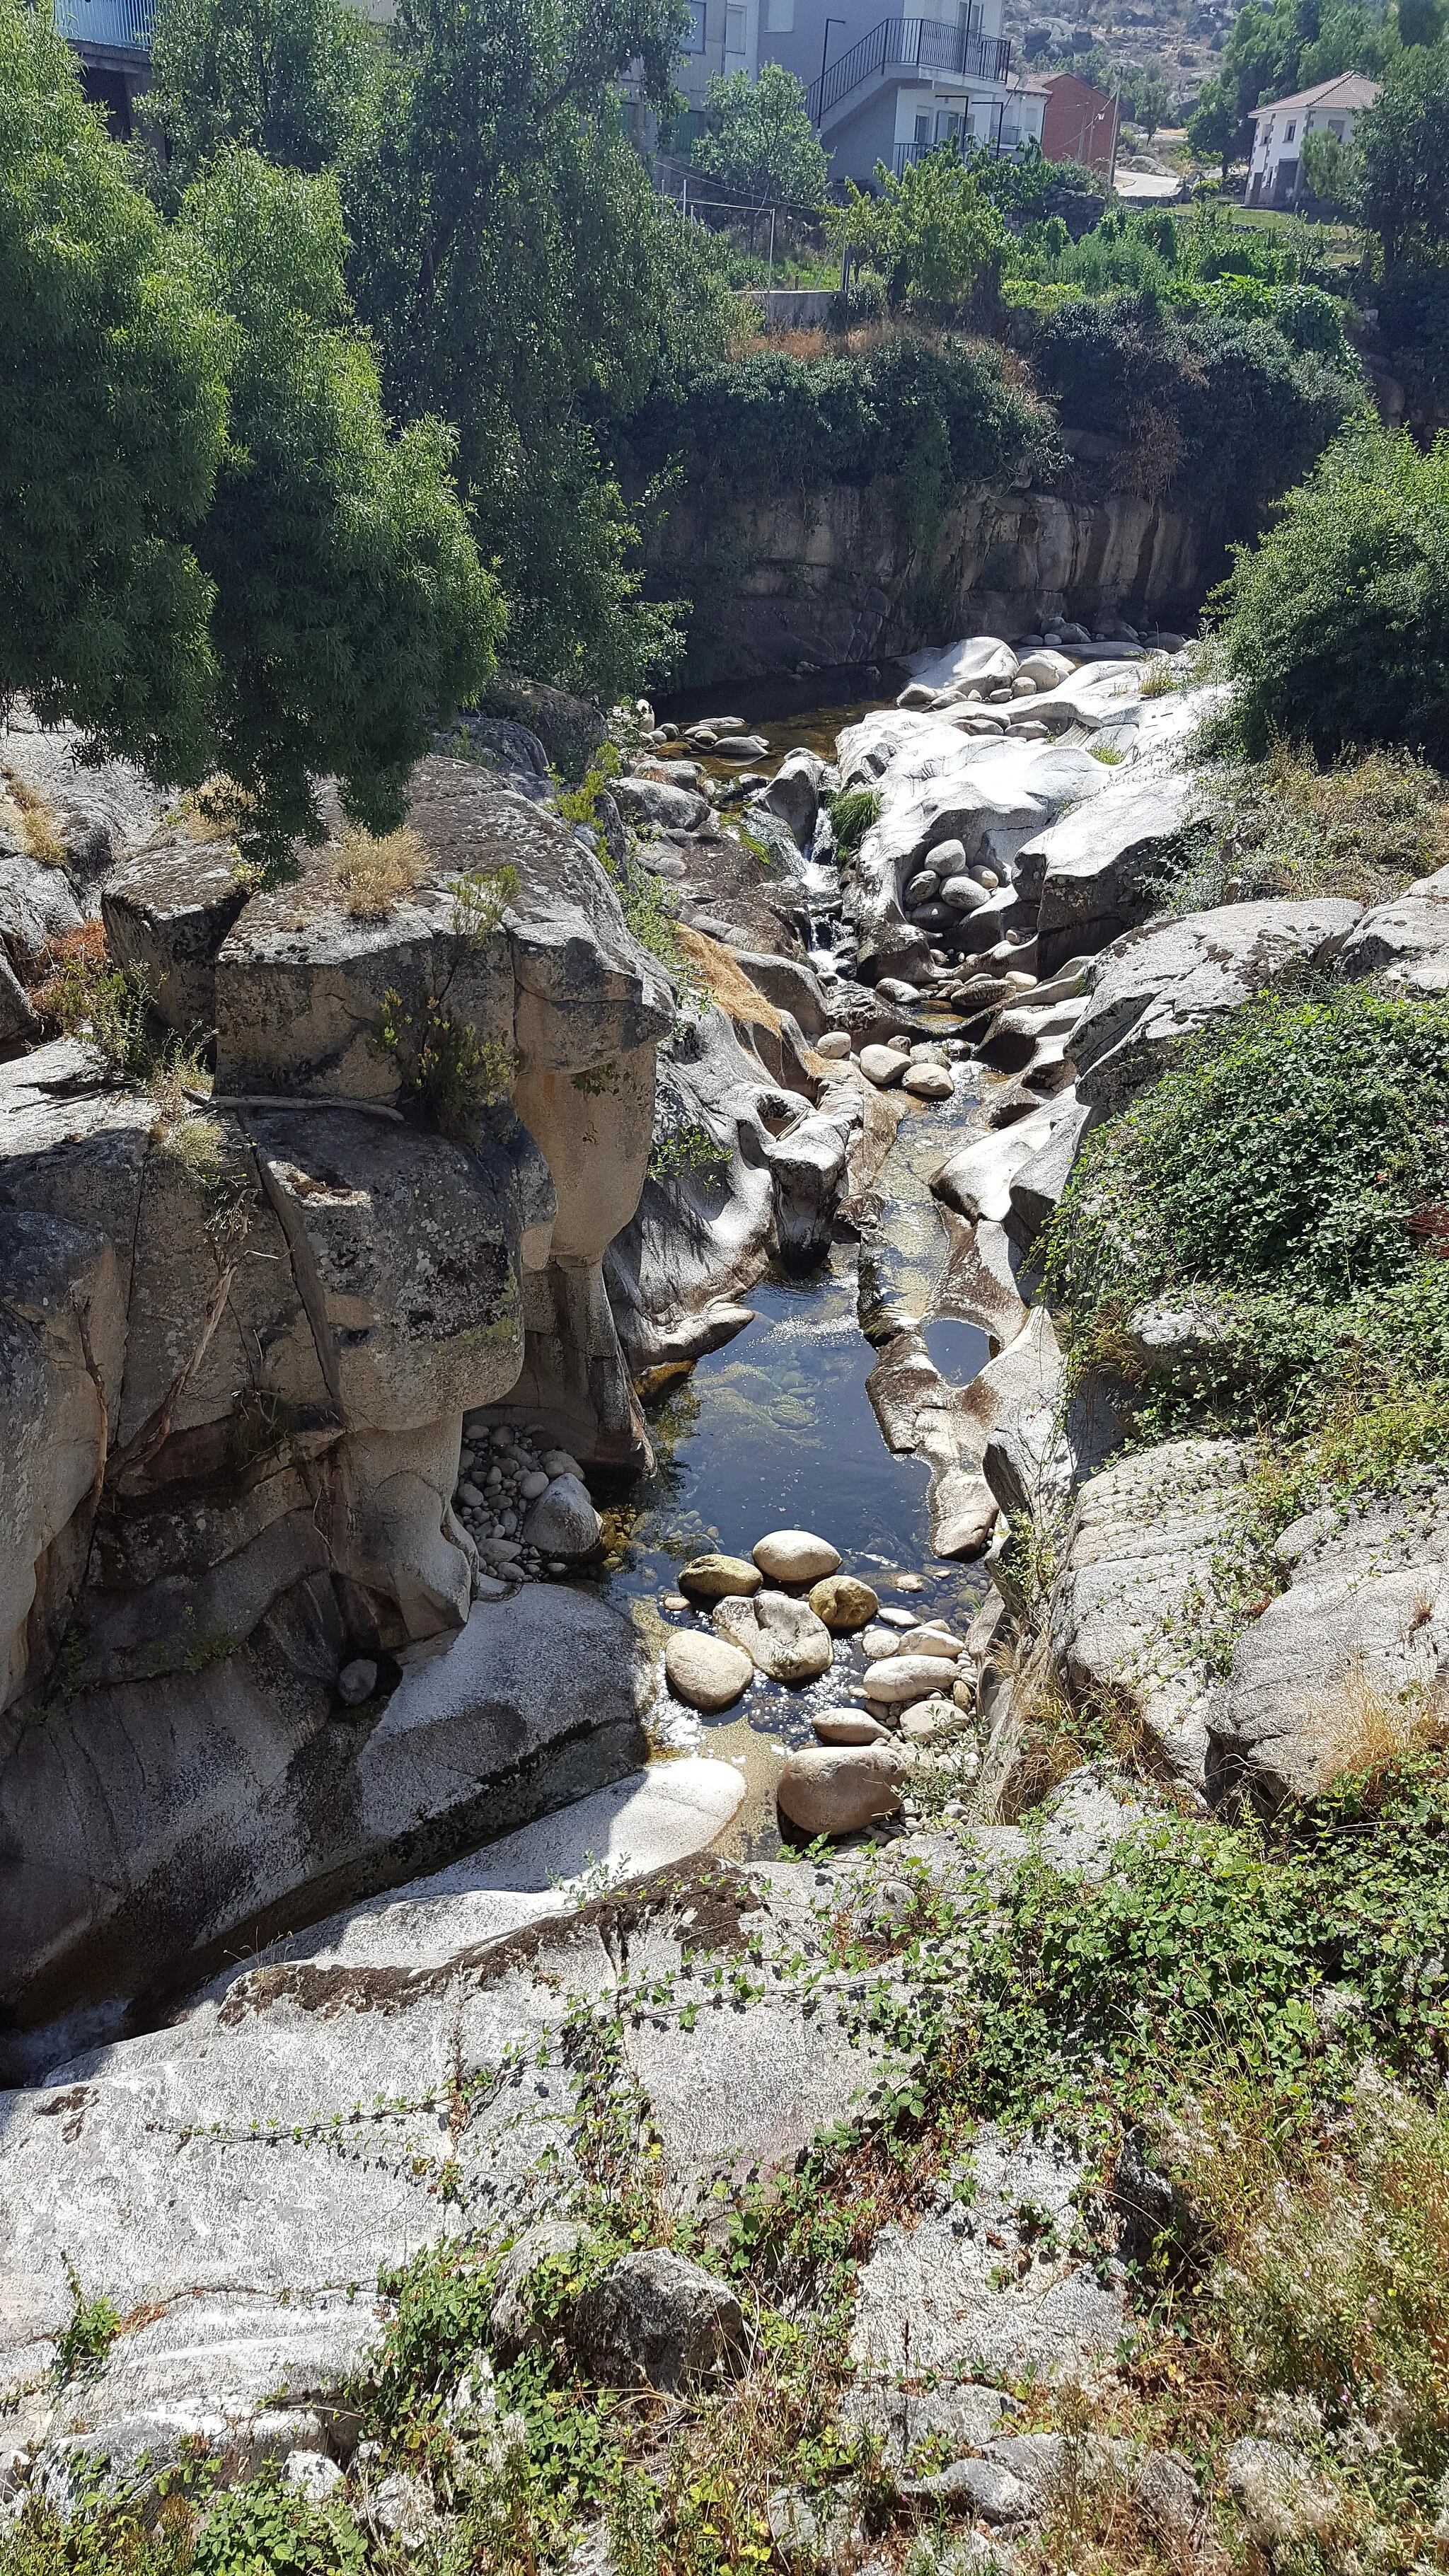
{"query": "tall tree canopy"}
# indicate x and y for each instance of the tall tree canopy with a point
(1402, 146)
(289, 78)
(112, 414)
(212, 551)
(521, 278)
(761, 143)
(350, 602)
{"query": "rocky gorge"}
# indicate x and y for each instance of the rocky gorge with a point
(396, 2006)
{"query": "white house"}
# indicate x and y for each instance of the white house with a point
(892, 88)
(1334, 107)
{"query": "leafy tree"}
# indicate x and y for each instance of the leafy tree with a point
(1337, 622)
(932, 230)
(285, 77)
(211, 552)
(1214, 125)
(760, 141)
(1330, 172)
(1149, 99)
(351, 608)
(521, 278)
(1402, 144)
(112, 409)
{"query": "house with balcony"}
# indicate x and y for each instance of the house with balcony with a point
(1281, 127)
(112, 39)
(893, 89)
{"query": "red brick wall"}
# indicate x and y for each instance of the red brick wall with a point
(1080, 123)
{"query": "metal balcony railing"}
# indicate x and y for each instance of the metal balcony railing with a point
(120, 26)
(1002, 142)
(908, 44)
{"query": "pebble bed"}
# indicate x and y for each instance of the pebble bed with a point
(502, 1473)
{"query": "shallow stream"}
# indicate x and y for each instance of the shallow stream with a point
(777, 1431)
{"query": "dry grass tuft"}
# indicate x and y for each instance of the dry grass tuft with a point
(725, 982)
(217, 810)
(1366, 1734)
(38, 828)
(377, 874)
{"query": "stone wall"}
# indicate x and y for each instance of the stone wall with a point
(838, 576)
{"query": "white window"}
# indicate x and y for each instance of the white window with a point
(1335, 128)
(780, 18)
(694, 32)
(923, 133)
(736, 22)
(1289, 131)
(947, 124)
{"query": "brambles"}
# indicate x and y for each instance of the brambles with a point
(1336, 624)
(1275, 1170)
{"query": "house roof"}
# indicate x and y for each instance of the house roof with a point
(1073, 80)
(1350, 90)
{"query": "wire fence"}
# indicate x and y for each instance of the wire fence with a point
(776, 231)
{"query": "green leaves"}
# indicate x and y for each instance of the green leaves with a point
(1337, 623)
(1275, 1170)
(112, 413)
(213, 552)
(760, 141)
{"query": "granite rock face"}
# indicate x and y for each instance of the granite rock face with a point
(1351, 1659)
(1136, 1588)
(1156, 987)
(241, 1339)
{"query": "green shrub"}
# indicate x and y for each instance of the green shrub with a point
(771, 423)
(1279, 1168)
(1218, 405)
(1336, 624)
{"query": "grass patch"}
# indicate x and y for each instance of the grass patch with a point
(852, 814)
(38, 828)
(1362, 828)
(376, 874)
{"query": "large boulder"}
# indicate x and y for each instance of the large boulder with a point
(156, 1822)
(783, 1637)
(841, 1788)
(657, 2319)
(293, 2111)
(1155, 989)
(794, 794)
(1099, 871)
(1345, 1666)
(1404, 944)
(18, 1023)
(37, 906)
(62, 1346)
(166, 913)
(1140, 1575)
